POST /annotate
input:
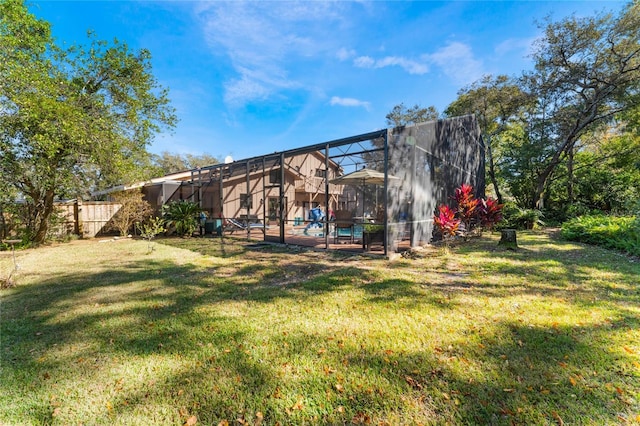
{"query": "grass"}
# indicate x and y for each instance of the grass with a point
(197, 331)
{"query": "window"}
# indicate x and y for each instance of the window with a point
(274, 176)
(246, 201)
(321, 173)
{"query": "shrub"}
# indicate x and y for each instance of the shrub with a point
(469, 213)
(150, 228)
(517, 218)
(133, 209)
(446, 222)
(182, 216)
(489, 213)
(619, 233)
(467, 204)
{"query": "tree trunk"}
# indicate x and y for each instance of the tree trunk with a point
(43, 225)
(508, 239)
(3, 225)
(570, 176)
(492, 173)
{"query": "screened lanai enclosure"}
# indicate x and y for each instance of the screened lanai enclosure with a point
(374, 192)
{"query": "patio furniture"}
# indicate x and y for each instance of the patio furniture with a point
(233, 225)
(343, 226)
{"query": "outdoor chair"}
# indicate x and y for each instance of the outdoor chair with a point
(344, 226)
(233, 225)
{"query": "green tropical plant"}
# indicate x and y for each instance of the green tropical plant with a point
(181, 216)
(619, 233)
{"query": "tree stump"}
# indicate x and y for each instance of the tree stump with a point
(508, 239)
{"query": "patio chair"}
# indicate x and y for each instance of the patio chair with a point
(344, 226)
(233, 225)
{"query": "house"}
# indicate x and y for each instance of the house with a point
(421, 164)
(251, 187)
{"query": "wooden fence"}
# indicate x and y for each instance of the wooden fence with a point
(86, 218)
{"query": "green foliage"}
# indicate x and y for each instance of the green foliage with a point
(372, 228)
(534, 127)
(150, 228)
(604, 177)
(620, 233)
(515, 217)
(74, 118)
(182, 216)
(585, 72)
(167, 162)
(400, 115)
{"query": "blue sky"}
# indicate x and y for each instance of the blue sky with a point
(250, 78)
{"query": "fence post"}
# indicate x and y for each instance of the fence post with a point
(78, 217)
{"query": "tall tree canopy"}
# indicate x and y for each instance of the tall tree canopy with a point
(586, 79)
(71, 118)
(400, 115)
(494, 101)
(587, 70)
(167, 162)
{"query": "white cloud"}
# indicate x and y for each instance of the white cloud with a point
(350, 102)
(458, 62)
(524, 45)
(364, 62)
(410, 66)
(262, 41)
(244, 88)
(343, 54)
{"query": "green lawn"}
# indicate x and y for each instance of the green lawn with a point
(197, 332)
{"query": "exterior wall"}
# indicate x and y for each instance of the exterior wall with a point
(432, 160)
(302, 186)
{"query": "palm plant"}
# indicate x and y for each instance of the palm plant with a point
(181, 216)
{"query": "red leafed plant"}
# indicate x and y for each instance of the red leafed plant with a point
(467, 205)
(470, 213)
(489, 212)
(446, 221)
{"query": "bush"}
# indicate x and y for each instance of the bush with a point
(150, 228)
(517, 218)
(182, 216)
(470, 214)
(619, 233)
(134, 209)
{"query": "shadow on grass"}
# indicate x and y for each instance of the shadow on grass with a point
(146, 310)
(540, 267)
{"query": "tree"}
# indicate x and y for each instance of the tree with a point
(71, 118)
(587, 70)
(167, 162)
(149, 229)
(606, 174)
(403, 116)
(494, 101)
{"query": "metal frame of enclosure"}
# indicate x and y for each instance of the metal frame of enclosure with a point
(422, 165)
